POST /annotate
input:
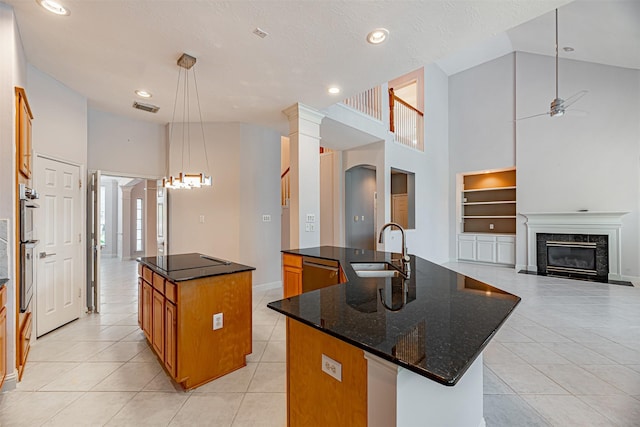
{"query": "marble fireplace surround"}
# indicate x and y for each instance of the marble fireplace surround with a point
(603, 223)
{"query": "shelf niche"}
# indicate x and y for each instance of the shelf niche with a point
(489, 202)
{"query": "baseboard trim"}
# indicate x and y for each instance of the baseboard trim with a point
(268, 286)
(10, 382)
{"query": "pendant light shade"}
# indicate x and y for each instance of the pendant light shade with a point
(187, 178)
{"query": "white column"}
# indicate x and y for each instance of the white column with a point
(304, 156)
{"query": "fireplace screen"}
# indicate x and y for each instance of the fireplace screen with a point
(571, 256)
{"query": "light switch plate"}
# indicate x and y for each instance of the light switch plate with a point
(266, 218)
(332, 367)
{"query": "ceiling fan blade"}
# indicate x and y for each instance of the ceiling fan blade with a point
(574, 98)
(530, 117)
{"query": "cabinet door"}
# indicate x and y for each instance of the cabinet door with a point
(3, 344)
(466, 248)
(485, 251)
(158, 324)
(140, 301)
(171, 337)
(147, 309)
(506, 253)
(24, 135)
(292, 278)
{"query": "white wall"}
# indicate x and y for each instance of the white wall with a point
(124, 146)
(580, 162)
(245, 166)
(481, 127)
(59, 119)
(564, 163)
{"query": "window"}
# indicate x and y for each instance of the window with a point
(138, 225)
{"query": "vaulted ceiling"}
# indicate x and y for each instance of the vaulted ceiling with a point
(106, 49)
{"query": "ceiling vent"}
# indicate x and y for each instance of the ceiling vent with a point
(145, 107)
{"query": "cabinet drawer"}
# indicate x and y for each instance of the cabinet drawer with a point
(171, 291)
(158, 283)
(506, 239)
(292, 260)
(3, 296)
(147, 274)
(482, 238)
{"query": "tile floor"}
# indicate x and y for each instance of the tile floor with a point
(569, 356)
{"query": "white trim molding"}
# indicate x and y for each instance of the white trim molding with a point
(603, 223)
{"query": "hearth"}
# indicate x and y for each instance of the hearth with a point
(584, 256)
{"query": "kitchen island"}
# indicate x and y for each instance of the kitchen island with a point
(195, 311)
(389, 351)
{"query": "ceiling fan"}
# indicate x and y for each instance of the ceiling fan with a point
(559, 106)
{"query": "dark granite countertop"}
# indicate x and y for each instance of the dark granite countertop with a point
(435, 323)
(3, 280)
(179, 268)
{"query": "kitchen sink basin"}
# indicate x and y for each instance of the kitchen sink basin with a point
(375, 269)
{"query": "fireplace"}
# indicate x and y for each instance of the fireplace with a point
(584, 256)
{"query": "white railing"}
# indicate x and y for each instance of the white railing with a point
(406, 122)
(368, 102)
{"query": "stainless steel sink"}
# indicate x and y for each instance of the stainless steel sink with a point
(375, 269)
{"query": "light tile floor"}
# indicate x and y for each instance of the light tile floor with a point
(569, 356)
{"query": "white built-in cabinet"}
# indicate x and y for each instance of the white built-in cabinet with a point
(498, 249)
(487, 217)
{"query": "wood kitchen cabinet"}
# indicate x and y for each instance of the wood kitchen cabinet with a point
(292, 275)
(177, 321)
(3, 334)
(23, 132)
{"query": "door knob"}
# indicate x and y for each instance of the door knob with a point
(44, 254)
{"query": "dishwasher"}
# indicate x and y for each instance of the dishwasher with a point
(318, 273)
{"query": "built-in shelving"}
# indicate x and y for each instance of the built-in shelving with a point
(489, 202)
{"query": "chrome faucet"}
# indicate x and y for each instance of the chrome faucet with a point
(406, 265)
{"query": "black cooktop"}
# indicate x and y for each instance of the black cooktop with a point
(170, 263)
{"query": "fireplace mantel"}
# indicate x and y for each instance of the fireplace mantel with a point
(607, 223)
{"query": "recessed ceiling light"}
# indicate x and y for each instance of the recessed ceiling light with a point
(568, 49)
(54, 7)
(143, 93)
(378, 35)
(334, 90)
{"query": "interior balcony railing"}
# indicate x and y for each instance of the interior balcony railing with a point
(368, 102)
(406, 122)
(285, 187)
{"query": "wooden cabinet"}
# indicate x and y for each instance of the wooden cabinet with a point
(171, 335)
(177, 319)
(23, 132)
(158, 325)
(3, 335)
(147, 309)
(292, 275)
(313, 396)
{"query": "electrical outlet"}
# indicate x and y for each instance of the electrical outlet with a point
(266, 218)
(307, 227)
(201, 219)
(490, 226)
(217, 321)
(332, 367)
(312, 227)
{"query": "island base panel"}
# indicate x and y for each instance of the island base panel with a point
(313, 396)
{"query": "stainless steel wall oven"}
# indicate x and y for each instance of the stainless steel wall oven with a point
(27, 245)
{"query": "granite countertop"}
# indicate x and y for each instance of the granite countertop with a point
(435, 323)
(182, 267)
(3, 280)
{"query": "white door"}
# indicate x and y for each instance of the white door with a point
(94, 210)
(58, 224)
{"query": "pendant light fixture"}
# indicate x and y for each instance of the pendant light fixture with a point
(187, 179)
